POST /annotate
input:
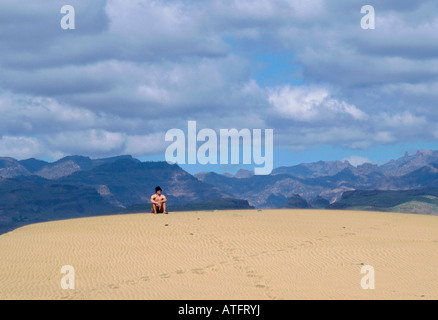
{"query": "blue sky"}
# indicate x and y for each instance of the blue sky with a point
(131, 70)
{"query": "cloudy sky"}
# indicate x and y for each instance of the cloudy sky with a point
(131, 70)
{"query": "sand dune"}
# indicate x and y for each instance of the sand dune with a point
(273, 254)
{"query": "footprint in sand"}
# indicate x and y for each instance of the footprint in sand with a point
(211, 267)
(251, 274)
(198, 271)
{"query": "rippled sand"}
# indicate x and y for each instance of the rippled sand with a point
(269, 254)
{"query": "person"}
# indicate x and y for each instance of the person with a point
(158, 201)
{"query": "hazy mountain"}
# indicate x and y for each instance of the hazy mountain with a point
(313, 170)
(99, 162)
(426, 176)
(91, 190)
(30, 199)
(296, 202)
(423, 201)
(239, 174)
(410, 163)
(362, 177)
(34, 190)
(67, 165)
(269, 191)
(319, 203)
(329, 180)
(131, 182)
(275, 201)
(11, 168)
(258, 189)
(33, 165)
(244, 174)
(64, 167)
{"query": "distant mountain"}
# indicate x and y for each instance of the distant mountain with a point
(99, 162)
(268, 191)
(65, 167)
(131, 181)
(11, 168)
(35, 190)
(33, 165)
(296, 202)
(426, 176)
(423, 201)
(71, 164)
(319, 203)
(410, 163)
(55, 170)
(313, 170)
(241, 174)
(275, 201)
(329, 180)
(31, 199)
(258, 190)
(102, 186)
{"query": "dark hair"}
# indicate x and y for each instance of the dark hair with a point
(158, 188)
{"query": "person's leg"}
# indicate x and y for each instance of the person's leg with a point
(164, 208)
(154, 208)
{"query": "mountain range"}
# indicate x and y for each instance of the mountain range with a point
(328, 179)
(34, 190)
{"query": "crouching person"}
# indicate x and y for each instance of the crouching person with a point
(158, 201)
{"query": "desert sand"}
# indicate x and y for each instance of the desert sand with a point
(269, 254)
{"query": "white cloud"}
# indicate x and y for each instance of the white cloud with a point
(87, 142)
(356, 160)
(97, 142)
(304, 103)
(384, 137)
(20, 147)
(404, 120)
(147, 144)
(134, 69)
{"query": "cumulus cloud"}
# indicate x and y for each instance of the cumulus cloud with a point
(19, 147)
(305, 103)
(134, 69)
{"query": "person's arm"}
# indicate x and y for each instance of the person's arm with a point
(163, 199)
(153, 200)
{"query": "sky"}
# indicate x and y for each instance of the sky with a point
(132, 70)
